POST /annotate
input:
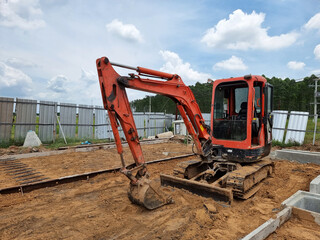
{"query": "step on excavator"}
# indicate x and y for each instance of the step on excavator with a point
(229, 161)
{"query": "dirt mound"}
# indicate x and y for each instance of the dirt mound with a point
(18, 150)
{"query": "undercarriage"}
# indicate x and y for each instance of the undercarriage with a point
(220, 180)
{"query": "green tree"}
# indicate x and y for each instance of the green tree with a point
(159, 103)
(292, 95)
(288, 95)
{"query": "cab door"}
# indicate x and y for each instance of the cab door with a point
(268, 118)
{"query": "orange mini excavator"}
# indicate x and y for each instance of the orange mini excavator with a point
(230, 150)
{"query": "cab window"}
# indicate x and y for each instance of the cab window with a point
(230, 111)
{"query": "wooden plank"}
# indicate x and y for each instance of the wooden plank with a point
(71, 178)
(26, 116)
(6, 117)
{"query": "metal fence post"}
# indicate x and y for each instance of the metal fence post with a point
(55, 123)
(315, 128)
(149, 125)
(315, 109)
(60, 129)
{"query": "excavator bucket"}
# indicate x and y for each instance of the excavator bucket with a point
(148, 193)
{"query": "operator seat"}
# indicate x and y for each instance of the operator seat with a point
(243, 111)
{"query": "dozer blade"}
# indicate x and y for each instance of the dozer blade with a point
(202, 189)
(147, 193)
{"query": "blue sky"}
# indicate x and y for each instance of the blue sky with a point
(48, 48)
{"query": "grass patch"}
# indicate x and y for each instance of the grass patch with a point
(308, 139)
(73, 142)
(11, 142)
(283, 145)
(309, 134)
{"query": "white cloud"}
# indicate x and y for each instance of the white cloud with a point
(19, 62)
(83, 90)
(125, 31)
(233, 63)
(57, 84)
(174, 64)
(13, 82)
(88, 77)
(10, 77)
(296, 65)
(316, 72)
(313, 23)
(24, 14)
(244, 31)
(316, 51)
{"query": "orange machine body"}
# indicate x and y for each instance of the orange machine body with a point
(256, 140)
(240, 138)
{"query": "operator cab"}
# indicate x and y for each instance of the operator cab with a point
(241, 117)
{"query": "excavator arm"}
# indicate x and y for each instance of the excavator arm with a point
(115, 100)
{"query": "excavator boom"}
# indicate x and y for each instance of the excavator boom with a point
(115, 100)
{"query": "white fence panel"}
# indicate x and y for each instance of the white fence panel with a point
(26, 111)
(68, 118)
(168, 121)
(298, 122)
(85, 122)
(159, 124)
(101, 127)
(46, 120)
(6, 118)
(148, 124)
(140, 120)
(279, 124)
(207, 118)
